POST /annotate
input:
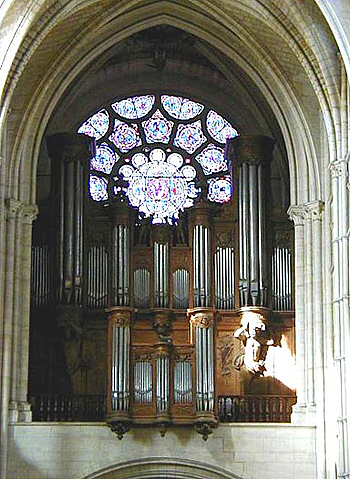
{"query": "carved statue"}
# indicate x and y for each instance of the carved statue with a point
(256, 337)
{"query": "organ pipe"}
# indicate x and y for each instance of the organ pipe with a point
(41, 275)
(182, 382)
(282, 278)
(121, 264)
(180, 285)
(224, 277)
(118, 403)
(97, 276)
(252, 155)
(161, 274)
(70, 154)
(201, 265)
(142, 288)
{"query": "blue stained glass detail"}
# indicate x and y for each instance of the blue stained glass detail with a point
(193, 191)
(98, 188)
(220, 189)
(96, 126)
(134, 107)
(219, 128)
(181, 108)
(157, 128)
(126, 171)
(190, 137)
(189, 172)
(212, 159)
(125, 137)
(104, 159)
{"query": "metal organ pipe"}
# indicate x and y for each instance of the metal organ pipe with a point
(161, 273)
(201, 265)
(252, 153)
(121, 264)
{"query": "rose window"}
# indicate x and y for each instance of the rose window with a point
(162, 153)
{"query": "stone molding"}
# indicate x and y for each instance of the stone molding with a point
(338, 168)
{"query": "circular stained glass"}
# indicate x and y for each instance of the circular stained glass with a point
(138, 159)
(166, 124)
(219, 190)
(125, 137)
(190, 137)
(104, 159)
(212, 159)
(126, 171)
(175, 159)
(98, 188)
(189, 172)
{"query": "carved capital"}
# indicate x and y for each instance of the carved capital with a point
(201, 318)
(315, 209)
(70, 147)
(120, 317)
(338, 168)
(298, 214)
(30, 213)
(13, 208)
(251, 149)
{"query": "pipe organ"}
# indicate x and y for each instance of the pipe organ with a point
(172, 298)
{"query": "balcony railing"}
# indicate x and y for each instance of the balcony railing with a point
(256, 408)
(60, 408)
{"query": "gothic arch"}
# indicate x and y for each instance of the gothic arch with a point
(167, 468)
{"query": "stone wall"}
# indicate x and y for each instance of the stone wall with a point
(259, 451)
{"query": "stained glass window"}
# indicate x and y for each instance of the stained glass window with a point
(219, 128)
(134, 107)
(98, 188)
(212, 159)
(104, 159)
(156, 157)
(96, 126)
(190, 137)
(181, 108)
(124, 136)
(157, 128)
(220, 189)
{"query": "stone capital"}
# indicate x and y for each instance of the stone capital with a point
(298, 214)
(29, 214)
(13, 208)
(315, 209)
(338, 168)
(70, 147)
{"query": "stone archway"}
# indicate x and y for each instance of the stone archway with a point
(167, 468)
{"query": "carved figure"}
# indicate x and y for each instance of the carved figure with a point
(256, 337)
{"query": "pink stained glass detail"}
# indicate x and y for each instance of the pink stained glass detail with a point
(104, 159)
(134, 107)
(220, 189)
(157, 128)
(219, 128)
(98, 188)
(212, 159)
(190, 137)
(181, 108)
(125, 137)
(96, 126)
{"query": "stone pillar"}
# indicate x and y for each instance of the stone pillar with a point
(118, 370)
(251, 156)
(29, 214)
(341, 314)
(69, 154)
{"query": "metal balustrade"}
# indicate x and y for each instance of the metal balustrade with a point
(61, 408)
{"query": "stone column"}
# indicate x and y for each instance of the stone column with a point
(13, 209)
(69, 154)
(298, 214)
(341, 315)
(251, 156)
(29, 214)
